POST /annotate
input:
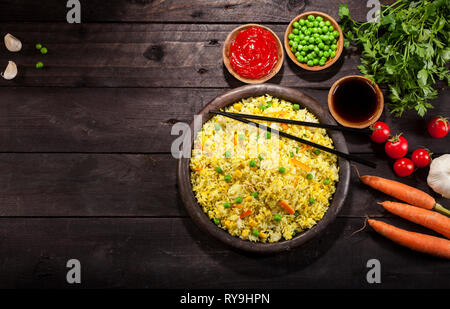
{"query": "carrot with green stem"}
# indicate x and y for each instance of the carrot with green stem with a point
(415, 241)
(424, 217)
(404, 193)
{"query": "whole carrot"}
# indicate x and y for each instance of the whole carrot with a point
(424, 217)
(418, 242)
(404, 193)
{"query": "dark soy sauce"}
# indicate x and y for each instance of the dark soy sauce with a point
(355, 100)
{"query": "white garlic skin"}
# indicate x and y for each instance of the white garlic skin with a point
(439, 175)
(10, 71)
(12, 43)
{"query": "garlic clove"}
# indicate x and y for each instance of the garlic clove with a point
(10, 71)
(12, 43)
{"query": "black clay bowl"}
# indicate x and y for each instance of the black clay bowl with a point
(293, 96)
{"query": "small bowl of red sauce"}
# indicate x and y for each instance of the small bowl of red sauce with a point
(253, 53)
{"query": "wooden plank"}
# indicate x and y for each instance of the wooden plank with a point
(88, 185)
(142, 55)
(177, 10)
(139, 120)
(173, 253)
(93, 185)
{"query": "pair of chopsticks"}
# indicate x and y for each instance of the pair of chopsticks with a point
(242, 118)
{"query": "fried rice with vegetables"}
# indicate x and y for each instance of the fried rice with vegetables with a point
(259, 186)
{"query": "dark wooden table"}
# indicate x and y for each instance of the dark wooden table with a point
(86, 170)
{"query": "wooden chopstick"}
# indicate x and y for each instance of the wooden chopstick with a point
(297, 122)
(298, 139)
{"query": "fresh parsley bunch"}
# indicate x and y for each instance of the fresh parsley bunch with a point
(407, 49)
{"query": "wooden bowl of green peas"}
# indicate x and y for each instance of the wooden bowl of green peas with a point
(314, 41)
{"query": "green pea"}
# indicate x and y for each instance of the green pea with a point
(321, 24)
(39, 65)
(310, 63)
(303, 52)
(43, 50)
(320, 54)
(227, 178)
(332, 54)
(252, 163)
(321, 45)
(316, 49)
(268, 135)
(255, 194)
(324, 29)
(326, 181)
(309, 176)
(310, 47)
(295, 24)
(316, 152)
(291, 42)
(327, 23)
(335, 33)
(311, 200)
(282, 170)
(319, 18)
(296, 214)
(315, 23)
(311, 40)
(291, 154)
(326, 54)
(297, 39)
(295, 45)
(293, 234)
(277, 217)
(255, 232)
(315, 30)
(219, 170)
(326, 48)
(296, 107)
(307, 32)
(238, 200)
(297, 54)
(330, 28)
(227, 154)
(300, 58)
(316, 61)
(333, 47)
(322, 62)
(291, 36)
(260, 157)
(38, 46)
(295, 31)
(227, 205)
(301, 22)
(216, 221)
(293, 49)
(301, 36)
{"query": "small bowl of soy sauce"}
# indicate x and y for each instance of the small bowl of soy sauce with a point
(355, 101)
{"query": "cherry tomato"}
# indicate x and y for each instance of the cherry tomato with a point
(438, 127)
(421, 157)
(381, 132)
(403, 167)
(396, 147)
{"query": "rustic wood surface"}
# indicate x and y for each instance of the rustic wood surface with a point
(85, 152)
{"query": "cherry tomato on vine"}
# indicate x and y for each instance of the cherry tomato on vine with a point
(380, 132)
(396, 147)
(403, 167)
(438, 127)
(421, 157)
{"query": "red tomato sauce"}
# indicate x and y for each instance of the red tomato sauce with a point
(253, 53)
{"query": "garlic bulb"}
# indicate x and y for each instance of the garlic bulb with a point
(439, 175)
(12, 43)
(10, 71)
